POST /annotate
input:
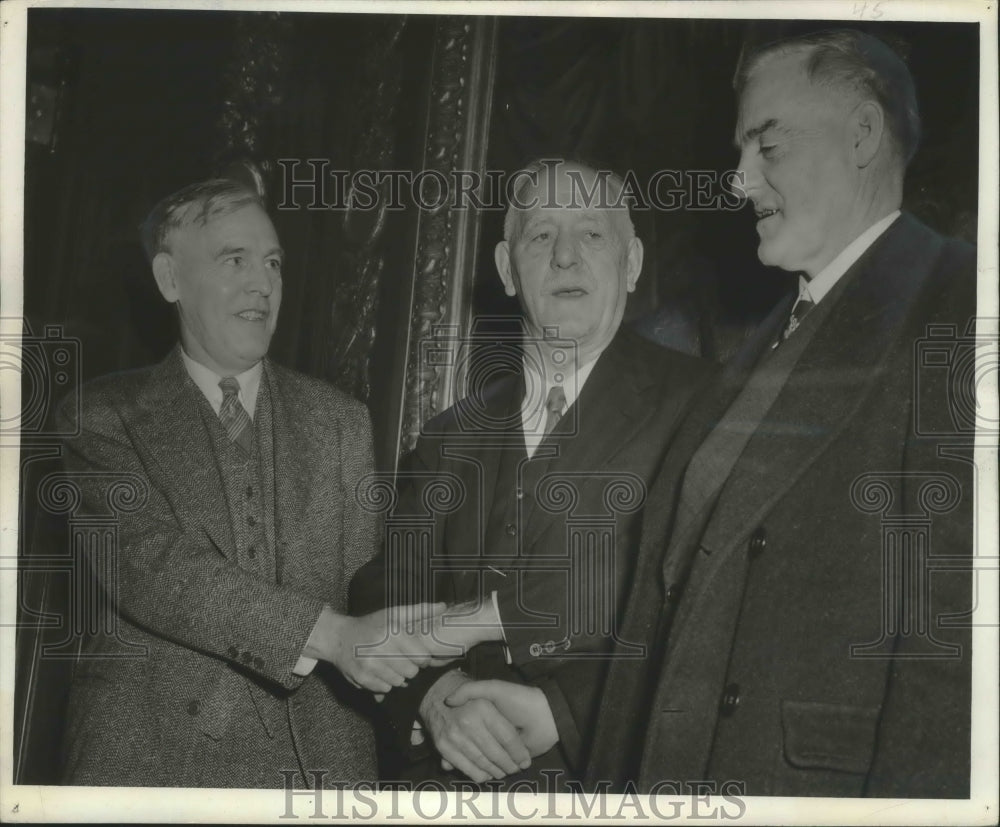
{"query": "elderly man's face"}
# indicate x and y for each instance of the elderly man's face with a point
(225, 276)
(571, 266)
(796, 156)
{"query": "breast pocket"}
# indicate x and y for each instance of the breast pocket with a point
(827, 749)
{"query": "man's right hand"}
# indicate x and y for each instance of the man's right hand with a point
(376, 651)
(473, 738)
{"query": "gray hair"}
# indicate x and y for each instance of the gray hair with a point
(217, 196)
(529, 175)
(856, 60)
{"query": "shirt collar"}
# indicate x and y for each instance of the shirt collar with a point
(815, 289)
(208, 383)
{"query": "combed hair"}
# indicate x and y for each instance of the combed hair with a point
(859, 61)
(217, 196)
(528, 175)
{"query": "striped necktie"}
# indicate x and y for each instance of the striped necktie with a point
(233, 415)
(554, 404)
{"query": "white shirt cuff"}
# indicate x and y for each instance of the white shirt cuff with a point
(496, 608)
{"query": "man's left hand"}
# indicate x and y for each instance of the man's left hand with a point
(526, 707)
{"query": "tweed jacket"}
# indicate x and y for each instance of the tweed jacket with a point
(524, 532)
(811, 641)
(212, 699)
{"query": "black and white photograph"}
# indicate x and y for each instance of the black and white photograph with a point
(504, 412)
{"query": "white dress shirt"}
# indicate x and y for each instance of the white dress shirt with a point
(816, 288)
(208, 380)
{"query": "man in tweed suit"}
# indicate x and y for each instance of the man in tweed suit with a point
(228, 585)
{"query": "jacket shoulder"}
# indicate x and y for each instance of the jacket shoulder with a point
(313, 393)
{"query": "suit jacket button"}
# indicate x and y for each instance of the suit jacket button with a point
(258, 663)
(246, 657)
(511, 529)
(730, 699)
(194, 707)
(671, 594)
(233, 652)
(758, 542)
(534, 650)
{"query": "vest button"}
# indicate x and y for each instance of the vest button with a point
(671, 594)
(730, 699)
(252, 551)
(511, 529)
(194, 707)
(251, 520)
(249, 492)
(758, 542)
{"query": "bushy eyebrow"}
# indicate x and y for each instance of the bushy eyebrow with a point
(232, 251)
(740, 141)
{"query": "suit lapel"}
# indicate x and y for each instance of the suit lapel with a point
(169, 425)
(835, 373)
(288, 458)
(849, 350)
(613, 405)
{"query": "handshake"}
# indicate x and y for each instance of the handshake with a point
(485, 729)
(381, 650)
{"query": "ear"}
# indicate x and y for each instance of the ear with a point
(867, 128)
(166, 279)
(633, 264)
(501, 256)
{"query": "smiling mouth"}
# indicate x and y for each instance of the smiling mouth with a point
(252, 315)
(763, 213)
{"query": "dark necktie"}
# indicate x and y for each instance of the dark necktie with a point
(233, 415)
(799, 312)
(554, 404)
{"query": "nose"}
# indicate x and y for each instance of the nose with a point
(259, 279)
(747, 179)
(564, 253)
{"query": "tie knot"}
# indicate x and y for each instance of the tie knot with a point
(556, 400)
(230, 387)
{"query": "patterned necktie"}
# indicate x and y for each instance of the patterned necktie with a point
(799, 312)
(554, 404)
(233, 415)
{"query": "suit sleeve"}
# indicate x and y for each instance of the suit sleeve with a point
(168, 576)
(928, 754)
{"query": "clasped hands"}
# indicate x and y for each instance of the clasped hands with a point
(489, 728)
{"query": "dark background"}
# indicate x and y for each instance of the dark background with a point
(126, 106)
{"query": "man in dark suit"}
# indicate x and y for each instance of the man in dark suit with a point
(803, 636)
(549, 467)
(228, 585)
